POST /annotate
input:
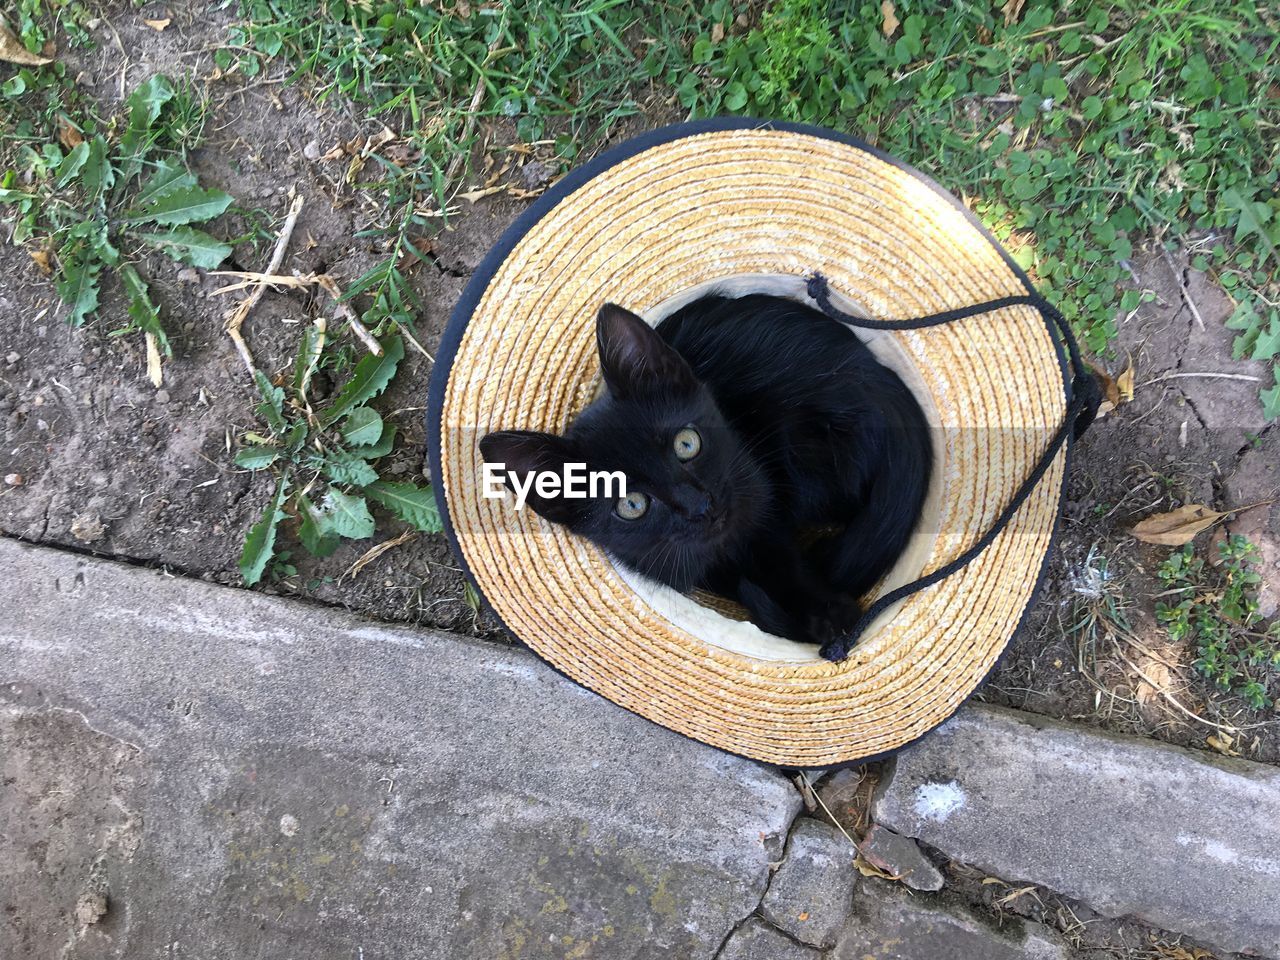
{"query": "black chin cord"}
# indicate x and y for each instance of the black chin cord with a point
(1084, 398)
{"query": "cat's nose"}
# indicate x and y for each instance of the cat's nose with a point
(694, 504)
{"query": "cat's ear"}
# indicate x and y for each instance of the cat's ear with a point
(635, 359)
(526, 453)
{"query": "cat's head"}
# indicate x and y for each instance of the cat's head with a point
(693, 491)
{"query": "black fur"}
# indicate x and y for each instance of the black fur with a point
(813, 467)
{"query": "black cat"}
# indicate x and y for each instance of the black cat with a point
(768, 456)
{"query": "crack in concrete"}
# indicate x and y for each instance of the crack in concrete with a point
(754, 913)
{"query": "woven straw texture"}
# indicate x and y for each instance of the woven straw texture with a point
(726, 203)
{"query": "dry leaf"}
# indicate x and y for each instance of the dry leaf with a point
(1015, 894)
(474, 195)
(401, 154)
(868, 869)
(1223, 744)
(69, 134)
(380, 139)
(1176, 527)
(43, 260)
(336, 152)
(1115, 391)
(717, 33)
(158, 25)
(1124, 383)
(890, 15)
(12, 51)
(1012, 11)
(153, 361)
(1153, 681)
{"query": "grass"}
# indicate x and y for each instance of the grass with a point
(1215, 608)
(1075, 130)
(560, 75)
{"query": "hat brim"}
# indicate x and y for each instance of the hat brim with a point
(718, 201)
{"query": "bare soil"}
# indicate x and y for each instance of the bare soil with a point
(110, 465)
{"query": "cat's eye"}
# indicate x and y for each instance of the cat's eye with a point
(687, 444)
(633, 506)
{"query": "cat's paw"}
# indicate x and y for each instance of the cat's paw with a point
(838, 618)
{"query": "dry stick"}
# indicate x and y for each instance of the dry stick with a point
(376, 551)
(839, 826)
(331, 287)
(467, 128)
(238, 316)
(1194, 716)
(1201, 376)
(1186, 294)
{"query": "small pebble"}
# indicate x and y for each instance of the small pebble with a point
(312, 150)
(14, 479)
(13, 358)
(188, 275)
(88, 528)
(90, 908)
(162, 396)
(535, 174)
(79, 369)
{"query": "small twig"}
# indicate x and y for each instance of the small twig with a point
(1234, 731)
(238, 316)
(374, 552)
(469, 127)
(1186, 294)
(331, 287)
(1201, 376)
(414, 340)
(250, 279)
(839, 826)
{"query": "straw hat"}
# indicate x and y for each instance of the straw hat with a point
(742, 205)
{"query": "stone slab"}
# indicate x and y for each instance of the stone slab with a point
(1184, 840)
(190, 770)
(811, 894)
(902, 857)
(756, 940)
(891, 924)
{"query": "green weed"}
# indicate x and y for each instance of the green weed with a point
(104, 192)
(324, 461)
(1217, 610)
